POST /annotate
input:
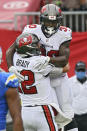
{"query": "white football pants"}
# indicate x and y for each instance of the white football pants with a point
(39, 118)
(63, 93)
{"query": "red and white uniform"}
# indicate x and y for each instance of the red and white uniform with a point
(36, 90)
(35, 93)
(52, 45)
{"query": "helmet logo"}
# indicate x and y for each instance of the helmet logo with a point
(25, 41)
(52, 17)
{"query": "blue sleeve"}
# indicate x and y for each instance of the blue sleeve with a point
(9, 80)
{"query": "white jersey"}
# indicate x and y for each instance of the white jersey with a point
(35, 89)
(52, 43)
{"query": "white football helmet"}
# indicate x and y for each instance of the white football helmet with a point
(50, 19)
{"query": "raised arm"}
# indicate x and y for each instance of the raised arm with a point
(9, 55)
(9, 58)
(14, 105)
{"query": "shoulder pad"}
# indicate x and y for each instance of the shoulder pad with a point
(65, 32)
(31, 28)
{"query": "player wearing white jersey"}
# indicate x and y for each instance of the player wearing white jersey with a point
(51, 47)
(55, 40)
(35, 91)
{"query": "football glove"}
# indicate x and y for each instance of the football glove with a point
(13, 69)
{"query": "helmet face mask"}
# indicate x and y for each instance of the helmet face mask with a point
(50, 19)
(27, 45)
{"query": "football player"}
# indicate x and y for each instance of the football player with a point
(35, 91)
(9, 98)
(55, 40)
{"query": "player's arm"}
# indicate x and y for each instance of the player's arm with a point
(63, 57)
(57, 71)
(9, 58)
(14, 105)
(9, 55)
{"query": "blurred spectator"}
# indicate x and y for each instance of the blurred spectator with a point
(47, 1)
(71, 5)
(83, 5)
(57, 2)
(42, 3)
(78, 86)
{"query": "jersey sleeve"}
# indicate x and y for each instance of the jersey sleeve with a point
(27, 29)
(12, 81)
(7, 80)
(46, 70)
(66, 34)
(41, 65)
(31, 28)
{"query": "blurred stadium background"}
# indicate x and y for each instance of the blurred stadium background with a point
(15, 14)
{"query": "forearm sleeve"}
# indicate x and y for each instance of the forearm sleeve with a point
(56, 72)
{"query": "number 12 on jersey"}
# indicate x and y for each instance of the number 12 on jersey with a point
(26, 86)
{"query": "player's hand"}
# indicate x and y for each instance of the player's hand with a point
(41, 63)
(13, 69)
(66, 68)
